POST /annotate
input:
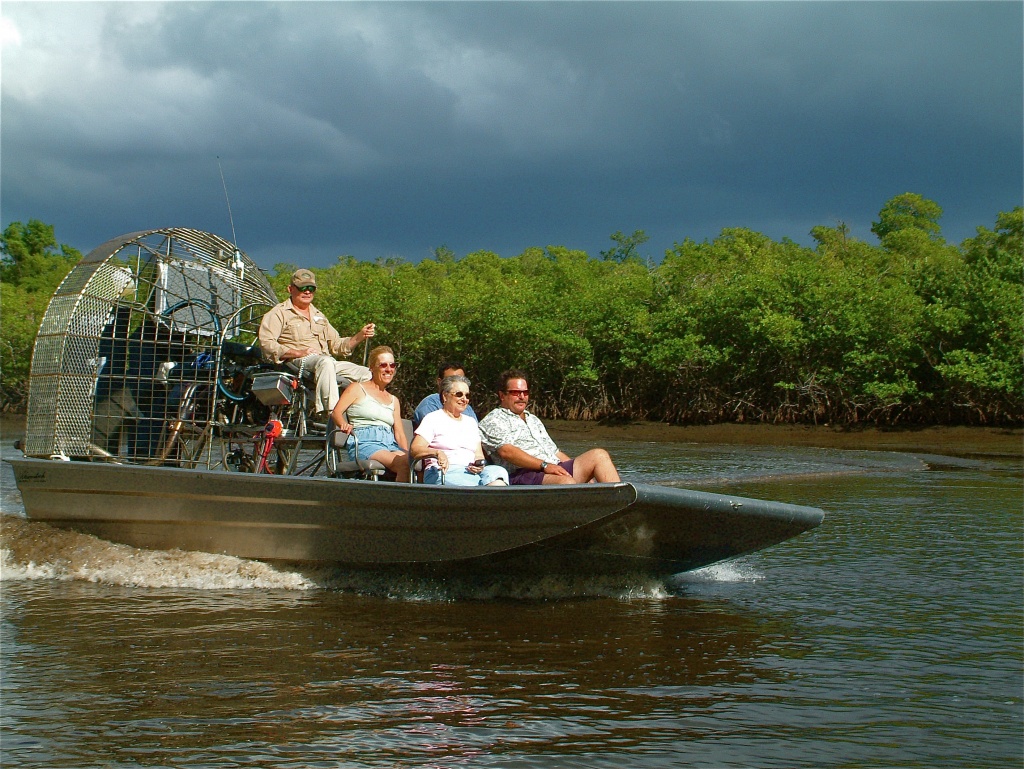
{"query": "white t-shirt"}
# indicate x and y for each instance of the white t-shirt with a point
(458, 438)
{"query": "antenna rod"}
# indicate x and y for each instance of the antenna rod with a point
(234, 238)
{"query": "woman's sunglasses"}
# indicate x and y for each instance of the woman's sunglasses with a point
(387, 365)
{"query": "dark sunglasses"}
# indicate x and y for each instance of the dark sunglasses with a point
(459, 395)
(517, 392)
(306, 289)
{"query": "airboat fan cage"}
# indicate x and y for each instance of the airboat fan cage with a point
(134, 329)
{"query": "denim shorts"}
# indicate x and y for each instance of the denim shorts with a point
(460, 476)
(372, 438)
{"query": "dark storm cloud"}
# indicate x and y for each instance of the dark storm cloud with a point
(386, 129)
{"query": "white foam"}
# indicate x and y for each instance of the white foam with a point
(33, 550)
(729, 571)
(11, 570)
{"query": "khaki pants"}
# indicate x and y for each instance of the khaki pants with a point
(327, 373)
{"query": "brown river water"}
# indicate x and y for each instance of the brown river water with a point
(891, 636)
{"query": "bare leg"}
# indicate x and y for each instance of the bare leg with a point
(595, 465)
(551, 480)
(395, 461)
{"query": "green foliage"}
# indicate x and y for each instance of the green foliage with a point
(31, 258)
(907, 212)
(977, 322)
(22, 313)
(32, 265)
(625, 246)
(739, 328)
(281, 277)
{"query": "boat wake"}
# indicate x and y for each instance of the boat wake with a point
(31, 550)
(34, 550)
(731, 571)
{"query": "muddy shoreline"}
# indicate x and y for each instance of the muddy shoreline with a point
(950, 441)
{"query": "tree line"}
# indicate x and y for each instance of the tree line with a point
(913, 330)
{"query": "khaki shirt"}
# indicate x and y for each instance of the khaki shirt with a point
(284, 328)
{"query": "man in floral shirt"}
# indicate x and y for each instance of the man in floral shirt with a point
(520, 443)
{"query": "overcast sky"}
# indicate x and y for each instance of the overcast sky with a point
(388, 129)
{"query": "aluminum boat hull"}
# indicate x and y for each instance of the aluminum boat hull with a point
(588, 529)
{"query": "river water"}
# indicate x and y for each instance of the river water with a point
(891, 636)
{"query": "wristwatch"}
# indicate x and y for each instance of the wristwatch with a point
(543, 465)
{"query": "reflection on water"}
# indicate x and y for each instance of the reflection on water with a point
(382, 682)
(889, 636)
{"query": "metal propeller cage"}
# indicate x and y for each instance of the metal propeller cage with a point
(139, 342)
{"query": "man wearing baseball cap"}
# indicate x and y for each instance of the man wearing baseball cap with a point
(297, 334)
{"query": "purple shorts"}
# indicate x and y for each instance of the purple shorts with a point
(524, 477)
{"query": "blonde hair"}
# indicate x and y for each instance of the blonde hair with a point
(376, 352)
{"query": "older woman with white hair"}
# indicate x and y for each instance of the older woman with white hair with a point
(448, 440)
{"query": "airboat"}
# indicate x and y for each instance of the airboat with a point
(154, 422)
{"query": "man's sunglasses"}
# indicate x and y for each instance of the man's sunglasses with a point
(517, 392)
(306, 289)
